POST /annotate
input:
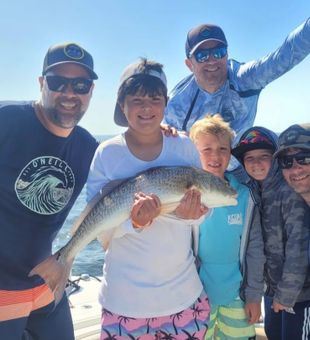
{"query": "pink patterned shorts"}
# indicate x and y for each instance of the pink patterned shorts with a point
(191, 323)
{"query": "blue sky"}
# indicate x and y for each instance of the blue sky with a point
(116, 33)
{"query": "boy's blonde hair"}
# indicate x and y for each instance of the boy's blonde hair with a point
(211, 124)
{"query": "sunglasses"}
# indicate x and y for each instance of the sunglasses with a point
(202, 55)
(286, 162)
(60, 84)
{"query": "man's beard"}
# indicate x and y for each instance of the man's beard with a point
(65, 120)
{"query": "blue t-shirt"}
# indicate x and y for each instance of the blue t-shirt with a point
(219, 248)
(41, 177)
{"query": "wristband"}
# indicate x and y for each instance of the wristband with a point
(139, 226)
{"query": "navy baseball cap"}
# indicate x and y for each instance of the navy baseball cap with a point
(68, 53)
(201, 34)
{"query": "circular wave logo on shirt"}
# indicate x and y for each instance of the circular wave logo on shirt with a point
(45, 185)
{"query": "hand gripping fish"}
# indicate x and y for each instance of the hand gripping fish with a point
(108, 210)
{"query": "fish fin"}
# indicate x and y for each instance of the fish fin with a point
(54, 273)
(110, 186)
(168, 208)
(105, 238)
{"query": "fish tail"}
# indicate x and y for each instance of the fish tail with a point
(54, 273)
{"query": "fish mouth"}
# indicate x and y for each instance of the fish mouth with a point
(232, 198)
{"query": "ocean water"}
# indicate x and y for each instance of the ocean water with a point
(91, 258)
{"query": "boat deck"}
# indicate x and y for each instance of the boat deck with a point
(85, 309)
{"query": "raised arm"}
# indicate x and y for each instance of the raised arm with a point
(258, 73)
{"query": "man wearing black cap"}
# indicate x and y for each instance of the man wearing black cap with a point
(221, 85)
(44, 161)
(294, 158)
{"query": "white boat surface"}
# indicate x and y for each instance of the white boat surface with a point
(86, 310)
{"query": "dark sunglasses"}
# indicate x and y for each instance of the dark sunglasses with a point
(202, 55)
(60, 84)
(286, 162)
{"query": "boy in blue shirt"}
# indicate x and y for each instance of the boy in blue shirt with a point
(230, 242)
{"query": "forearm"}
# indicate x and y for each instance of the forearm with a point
(257, 74)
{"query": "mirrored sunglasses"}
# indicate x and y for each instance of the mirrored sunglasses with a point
(286, 162)
(60, 84)
(202, 55)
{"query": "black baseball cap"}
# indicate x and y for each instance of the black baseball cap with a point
(68, 53)
(201, 34)
(254, 138)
